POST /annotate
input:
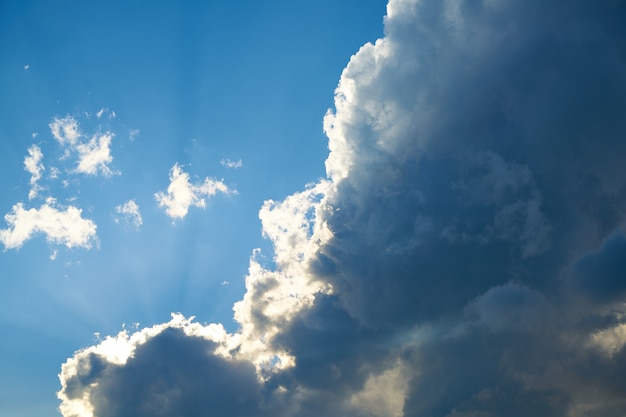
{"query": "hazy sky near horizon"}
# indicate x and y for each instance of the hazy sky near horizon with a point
(310, 210)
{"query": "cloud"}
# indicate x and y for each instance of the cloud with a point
(65, 130)
(62, 226)
(181, 193)
(104, 111)
(133, 133)
(34, 166)
(231, 164)
(167, 367)
(463, 257)
(130, 212)
(93, 154)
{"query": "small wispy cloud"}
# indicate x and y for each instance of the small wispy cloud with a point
(231, 164)
(133, 133)
(26, 66)
(105, 111)
(181, 193)
(34, 166)
(63, 226)
(65, 130)
(94, 154)
(130, 213)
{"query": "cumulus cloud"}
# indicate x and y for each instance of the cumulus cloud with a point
(130, 213)
(464, 255)
(231, 164)
(181, 193)
(63, 226)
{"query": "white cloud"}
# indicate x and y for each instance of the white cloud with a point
(231, 164)
(33, 165)
(60, 226)
(65, 130)
(26, 67)
(95, 155)
(181, 193)
(131, 213)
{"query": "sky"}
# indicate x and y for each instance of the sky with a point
(345, 208)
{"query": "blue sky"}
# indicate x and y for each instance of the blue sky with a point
(310, 210)
(193, 83)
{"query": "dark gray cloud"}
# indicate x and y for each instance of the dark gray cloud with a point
(465, 255)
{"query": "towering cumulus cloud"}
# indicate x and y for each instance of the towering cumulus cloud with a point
(464, 257)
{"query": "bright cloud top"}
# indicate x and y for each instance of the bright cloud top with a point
(465, 256)
(64, 226)
(182, 194)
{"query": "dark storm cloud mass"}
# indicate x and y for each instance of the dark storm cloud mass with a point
(465, 256)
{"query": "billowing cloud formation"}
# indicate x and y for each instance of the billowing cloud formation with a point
(181, 193)
(130, 212)
(64, 226)
(464, 256)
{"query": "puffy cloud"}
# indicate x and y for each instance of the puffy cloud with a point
(463, 258)
(33, 165)
(63, 226)
(160, 371)
(130, 212)
(181, 193)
